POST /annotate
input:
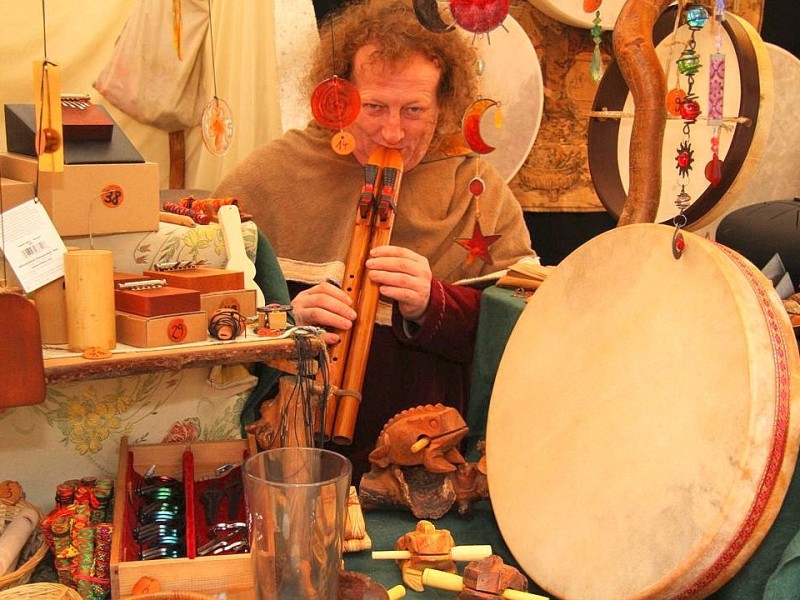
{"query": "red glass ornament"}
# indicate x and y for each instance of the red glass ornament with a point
(590, 6)
(684, 158)
(335, 103)
(678, 244)
(476, 186)
(479, 16)
(713, 170)
(690, 110)
(478, 245)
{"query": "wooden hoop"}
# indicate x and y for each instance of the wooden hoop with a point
(746, 144)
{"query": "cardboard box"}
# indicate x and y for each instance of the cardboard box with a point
(169, 330)
(243, 301)
(157, 302)
(211, 575)
(15, 192)
(202, 279)
(121, 198)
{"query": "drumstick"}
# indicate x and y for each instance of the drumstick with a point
(168, 217)
(455, 583)
(459, 553)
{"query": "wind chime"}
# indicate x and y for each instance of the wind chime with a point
(47, 100)
(685, 105)
(478, 245)
(478, 17)
(716, 94)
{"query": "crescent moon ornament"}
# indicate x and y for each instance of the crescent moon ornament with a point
(479, 16)
(472, 125)
(430, 18)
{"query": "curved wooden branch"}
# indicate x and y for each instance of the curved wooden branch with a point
(636, 56)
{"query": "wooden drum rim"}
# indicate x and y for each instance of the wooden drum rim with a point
(612, 93)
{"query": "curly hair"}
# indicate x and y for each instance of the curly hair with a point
(393, 27)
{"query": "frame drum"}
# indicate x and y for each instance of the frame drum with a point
(512, 77)
(748, 93)
(641, 434)
(571, 12)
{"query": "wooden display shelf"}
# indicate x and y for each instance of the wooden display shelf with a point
(278, 353)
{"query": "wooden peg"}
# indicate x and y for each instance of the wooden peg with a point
(458, 553)
(455, 583)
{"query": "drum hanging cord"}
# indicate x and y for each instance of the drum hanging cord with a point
(306, 389)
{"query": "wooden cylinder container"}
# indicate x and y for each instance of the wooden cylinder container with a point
(89, 286)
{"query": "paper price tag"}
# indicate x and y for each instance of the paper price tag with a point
(31, 245)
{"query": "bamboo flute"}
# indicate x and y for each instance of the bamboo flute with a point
(373, 228)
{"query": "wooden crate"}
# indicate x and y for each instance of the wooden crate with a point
(210, 575)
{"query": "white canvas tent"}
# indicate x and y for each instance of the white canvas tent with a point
(261, 52)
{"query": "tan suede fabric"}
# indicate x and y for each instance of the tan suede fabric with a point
(303, 196)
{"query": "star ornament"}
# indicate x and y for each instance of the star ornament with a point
(478, 245)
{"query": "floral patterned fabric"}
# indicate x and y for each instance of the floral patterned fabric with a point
(76, 432)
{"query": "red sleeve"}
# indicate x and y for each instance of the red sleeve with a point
(450, 322)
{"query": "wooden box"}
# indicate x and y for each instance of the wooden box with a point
(243, 301)
(212, 575)
(119, 198)
(156, 302)
(90, 123)
(202, 279)
(169, 330)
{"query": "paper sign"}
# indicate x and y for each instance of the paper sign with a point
(31, 245)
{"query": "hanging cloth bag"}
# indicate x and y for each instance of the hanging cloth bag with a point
(145, 77)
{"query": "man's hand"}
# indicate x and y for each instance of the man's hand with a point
(324, 305)
(403, 276)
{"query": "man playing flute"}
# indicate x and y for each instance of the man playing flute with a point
(456, 218)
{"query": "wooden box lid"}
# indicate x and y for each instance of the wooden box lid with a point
(202, 279)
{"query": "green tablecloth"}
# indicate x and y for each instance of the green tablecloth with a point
(772, 573)
(500, 309)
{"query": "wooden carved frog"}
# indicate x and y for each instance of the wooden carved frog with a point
(426, 435)
(429, 548)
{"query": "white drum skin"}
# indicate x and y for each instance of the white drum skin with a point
(641, 433)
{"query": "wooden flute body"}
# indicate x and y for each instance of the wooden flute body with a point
(373, 228)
